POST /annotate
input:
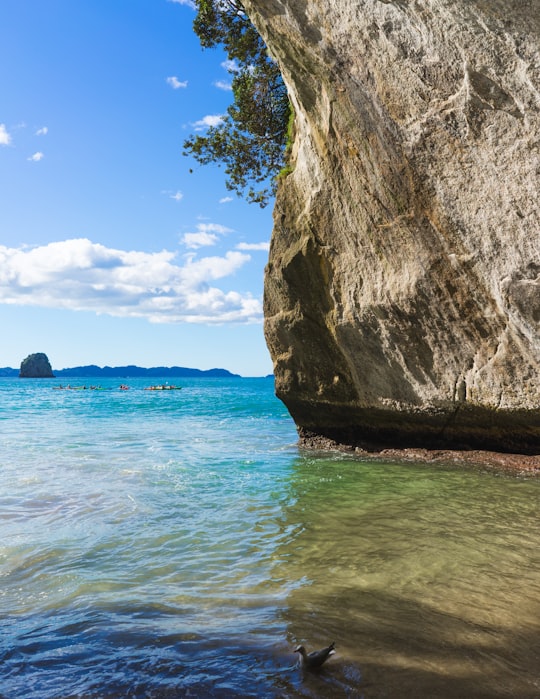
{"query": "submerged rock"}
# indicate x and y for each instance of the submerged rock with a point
(36, 366)
(402, 293)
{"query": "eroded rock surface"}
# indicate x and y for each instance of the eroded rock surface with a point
(402, 295)
(36, 366)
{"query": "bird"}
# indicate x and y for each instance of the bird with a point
(317, 657)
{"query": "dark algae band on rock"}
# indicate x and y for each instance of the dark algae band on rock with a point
(515, 432)
(402, 292)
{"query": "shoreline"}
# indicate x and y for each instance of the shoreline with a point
(510, 464)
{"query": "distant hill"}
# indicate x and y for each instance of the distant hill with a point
(8, 371)
(130, 372)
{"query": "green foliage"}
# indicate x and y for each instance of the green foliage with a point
(251, 140)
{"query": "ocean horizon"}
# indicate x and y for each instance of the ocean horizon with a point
(181, 544)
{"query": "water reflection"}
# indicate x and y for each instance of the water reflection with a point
(428, 580)
(188, 576)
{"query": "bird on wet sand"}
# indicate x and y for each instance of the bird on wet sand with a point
(316, 658)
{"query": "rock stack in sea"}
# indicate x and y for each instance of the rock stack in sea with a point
(36, 366)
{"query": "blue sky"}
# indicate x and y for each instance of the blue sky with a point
(111, 251)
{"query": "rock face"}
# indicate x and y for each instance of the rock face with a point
(402, 294)
(36, 366)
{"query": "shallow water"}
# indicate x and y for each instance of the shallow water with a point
(179, 544)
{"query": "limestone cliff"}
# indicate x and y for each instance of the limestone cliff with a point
(402, 294)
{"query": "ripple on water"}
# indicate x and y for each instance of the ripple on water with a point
(155, 547)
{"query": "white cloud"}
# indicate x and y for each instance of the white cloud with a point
(175, 83)
(83, 276)
(36, 157)
(225, 200)
(223, 85)
(206, 234)
(207, 121)
(177, 196)
(210, 268)
(230, 66)
(253, 246)
(199, 240)
(188, 3)
(43, 131)
(214, 228)
(5, 138)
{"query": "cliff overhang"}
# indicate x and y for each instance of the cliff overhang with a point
(402, 293)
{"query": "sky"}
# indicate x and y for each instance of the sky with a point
(115, 248)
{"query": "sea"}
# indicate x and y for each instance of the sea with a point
(180, 543)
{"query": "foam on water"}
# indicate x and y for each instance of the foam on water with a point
(179, 544)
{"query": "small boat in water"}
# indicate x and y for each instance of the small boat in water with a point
(163, 387)
(81, 388)
(70, 388)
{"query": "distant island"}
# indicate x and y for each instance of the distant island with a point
(36, 366)
(130, 371)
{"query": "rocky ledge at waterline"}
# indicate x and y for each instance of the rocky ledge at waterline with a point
(402, 294)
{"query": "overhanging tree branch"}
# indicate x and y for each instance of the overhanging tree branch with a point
(251, 140)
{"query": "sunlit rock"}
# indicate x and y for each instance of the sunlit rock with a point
(402, 294)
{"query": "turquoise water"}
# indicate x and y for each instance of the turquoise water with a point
(179, 544)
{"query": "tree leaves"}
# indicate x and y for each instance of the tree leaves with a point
(251, 140)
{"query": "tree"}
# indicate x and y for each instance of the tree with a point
(251, 139)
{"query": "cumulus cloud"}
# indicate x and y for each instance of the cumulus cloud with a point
(214, 227)
(225, 200)
(188, 3)
(253, 246)
(205, 235)
(223, 85)
(84, 276)
(199, 240)
(175, 83)
(207, 121)
(36, 157)
(231, 66)
(5, 138)
(43, 131)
